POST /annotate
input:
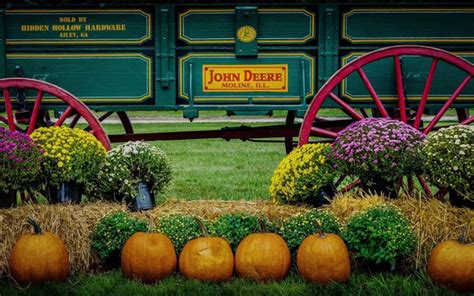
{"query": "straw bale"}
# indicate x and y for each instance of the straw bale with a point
(345, 205)
(433, 222)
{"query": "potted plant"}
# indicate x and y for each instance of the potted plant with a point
(380, 237)
(135, 172)
(304, 176)
(448, 162)
(20, 165)
(379, 151)
(72, 159)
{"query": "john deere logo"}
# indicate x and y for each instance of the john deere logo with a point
(246, 34)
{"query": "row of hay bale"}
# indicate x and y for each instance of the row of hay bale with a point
(432, 221)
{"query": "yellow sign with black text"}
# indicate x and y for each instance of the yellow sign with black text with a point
(245, 78)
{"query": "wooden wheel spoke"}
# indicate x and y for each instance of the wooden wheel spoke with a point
(63, 116)
(372, 93)
(468, 120)
(9, 109)
(400, 90)
(363, 112)
(425, 186)
(34, 115)
(101, 119)
(441, 193)
(351, 186)
(316, 131)
(424, 96)
(446, 105)
(411, 184)
(345, 107)
(75, 120)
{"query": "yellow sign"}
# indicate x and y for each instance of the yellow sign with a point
(246, 34)
(245, 78)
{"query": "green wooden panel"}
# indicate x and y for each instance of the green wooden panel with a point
(408, 25)
(415, 71)
(94, 78)
(217, 26)
(78, 26)
(223, 78)
(2, 43)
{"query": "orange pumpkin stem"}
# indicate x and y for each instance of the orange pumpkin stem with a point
(318, 228)
(35, 225)
(262, 225)
(202, 227)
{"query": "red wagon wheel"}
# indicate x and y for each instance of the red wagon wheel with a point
(312, 125)
(75, 108)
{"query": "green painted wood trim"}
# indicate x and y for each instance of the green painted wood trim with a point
(165, 55)
(245, 96)
(227, 27)
(81, 30)
(68, 62)
(328, 42)
(408, 25)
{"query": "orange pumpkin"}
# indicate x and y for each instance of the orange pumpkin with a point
(207, 258)
(148, 257)
(451, 264)
(39, 257)
(322, 258)
(263, 256)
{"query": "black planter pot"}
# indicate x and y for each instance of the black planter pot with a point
(68, 192)
(379, 185)
(459, 201)
(324, 196)
(7, 199)
(144, 201)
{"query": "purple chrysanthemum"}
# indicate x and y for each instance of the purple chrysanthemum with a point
(370, 147)
(20, 161)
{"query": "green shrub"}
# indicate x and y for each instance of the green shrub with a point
(111, 233)
(234, 227)
(180, 229)
(295, 229)
(380, 235)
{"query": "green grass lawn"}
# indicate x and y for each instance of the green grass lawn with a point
(215, 168)
(113, 283)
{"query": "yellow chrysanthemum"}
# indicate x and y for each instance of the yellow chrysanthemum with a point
(301, 174)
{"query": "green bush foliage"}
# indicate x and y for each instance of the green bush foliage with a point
(129, 164)
(295, 229)
(180, 229)
(234, 227)
(111, 233)
(380, 235)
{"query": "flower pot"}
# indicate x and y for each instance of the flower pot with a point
(458, 200)
(144, 200)
(324, 196)
(7, 199)
(68, 192)
(380, 186)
